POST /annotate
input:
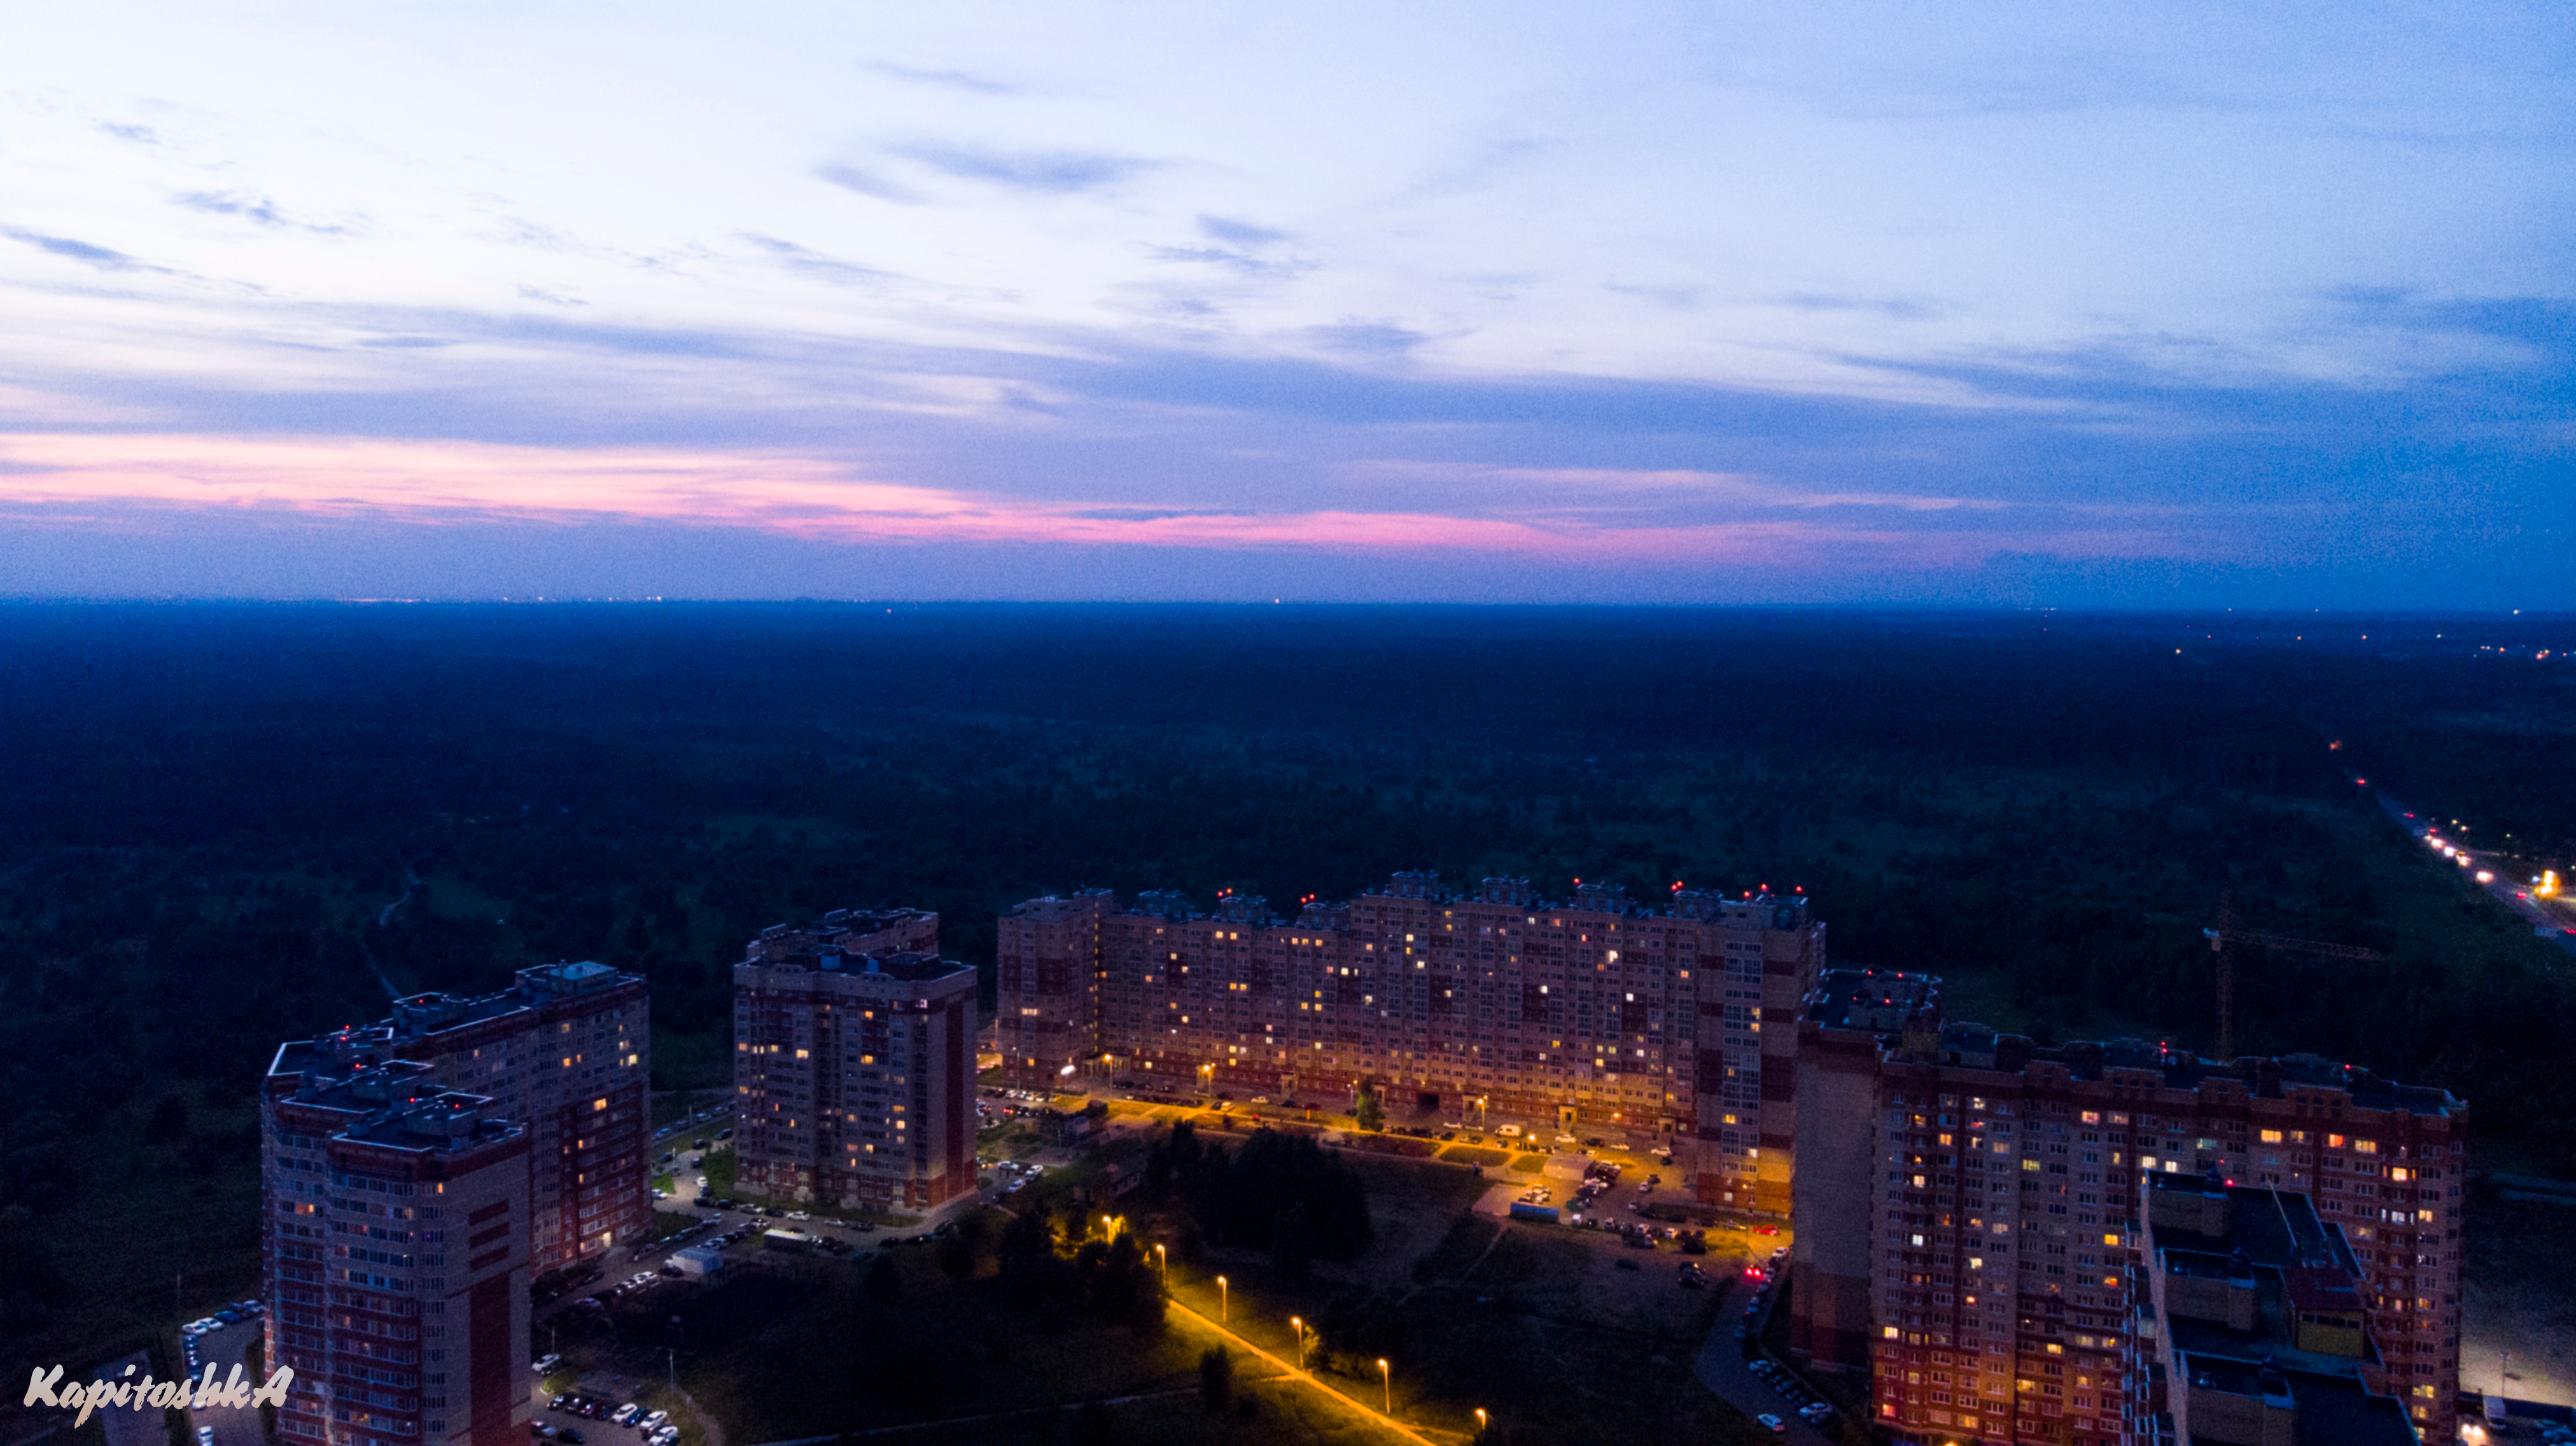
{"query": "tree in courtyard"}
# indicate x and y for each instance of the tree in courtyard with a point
(1216, 1377)
(1030, 1270)
(1371, 1114)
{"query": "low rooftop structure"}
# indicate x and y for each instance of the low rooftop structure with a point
(2260, 1327)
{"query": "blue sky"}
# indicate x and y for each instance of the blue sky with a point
(2141, 305)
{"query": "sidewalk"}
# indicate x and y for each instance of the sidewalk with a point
(1288, 1370)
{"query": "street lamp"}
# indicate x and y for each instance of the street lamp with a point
(1162, 1263)
(1388, 1381)
(1480, 1421)
(1224, 1302)
(1299, 1327)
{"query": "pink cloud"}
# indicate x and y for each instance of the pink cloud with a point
(430, 482)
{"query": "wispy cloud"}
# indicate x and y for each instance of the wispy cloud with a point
(1059, 172)
(258, 209)
(1370, 338)
(1239, 233)
(1895, 307)
(1606, 489)
(1680, 298)
(824, 500)
(816, 264)
(103, 257)
(864, 182)
(140, 135)
(951, 79)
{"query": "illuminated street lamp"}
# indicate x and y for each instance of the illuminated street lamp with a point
(1162, 1263)
(1386, 1379)
(1299, 1327)
(1224, 1302)
(1480, 1420)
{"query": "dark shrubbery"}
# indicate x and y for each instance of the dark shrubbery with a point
(1282, 1193)
(1110, 1278)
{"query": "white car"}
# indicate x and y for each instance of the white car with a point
(625, 1415)
(205, 1436)
(543, 1364)
(666, 1436)
(654, 1422)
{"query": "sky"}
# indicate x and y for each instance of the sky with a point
(2111, 305)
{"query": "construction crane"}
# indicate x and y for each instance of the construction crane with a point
(2223, 942)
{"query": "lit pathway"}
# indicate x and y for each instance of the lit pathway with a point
(1291, 1372)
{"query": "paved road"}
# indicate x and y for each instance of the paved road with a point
(127, 1427)
(224, 1349)
(2551, 919)
(1721, 1367)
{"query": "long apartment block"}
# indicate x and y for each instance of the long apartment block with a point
(1592, 1012)
(395, 1245)
(1968, 1211)
(854, 1063)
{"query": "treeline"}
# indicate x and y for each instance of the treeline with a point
(1280, 1192)
(1108, 1277)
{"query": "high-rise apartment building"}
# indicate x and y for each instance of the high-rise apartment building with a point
(1593, 1012)
(566, 1052)
(395, 1239)
(1991, 1190)
(854, 1063)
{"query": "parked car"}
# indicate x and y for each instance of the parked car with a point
(545, 1363)
(1772, 1422)
(654, 1422)
(625, 1415)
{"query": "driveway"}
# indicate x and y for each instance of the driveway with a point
(223, 1349)
(1722, 1368)
(128, 1427)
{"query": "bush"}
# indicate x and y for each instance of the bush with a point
(1216, 1377)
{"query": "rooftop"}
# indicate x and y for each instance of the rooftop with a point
(1784, 910)
(2297, 1342)
(395, 1105)
(2278, 1229)
(431, 1013)
(1881, 1001)
(1975, 1046)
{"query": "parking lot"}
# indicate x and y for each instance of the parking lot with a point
(223, 1340)
(581, 1418)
